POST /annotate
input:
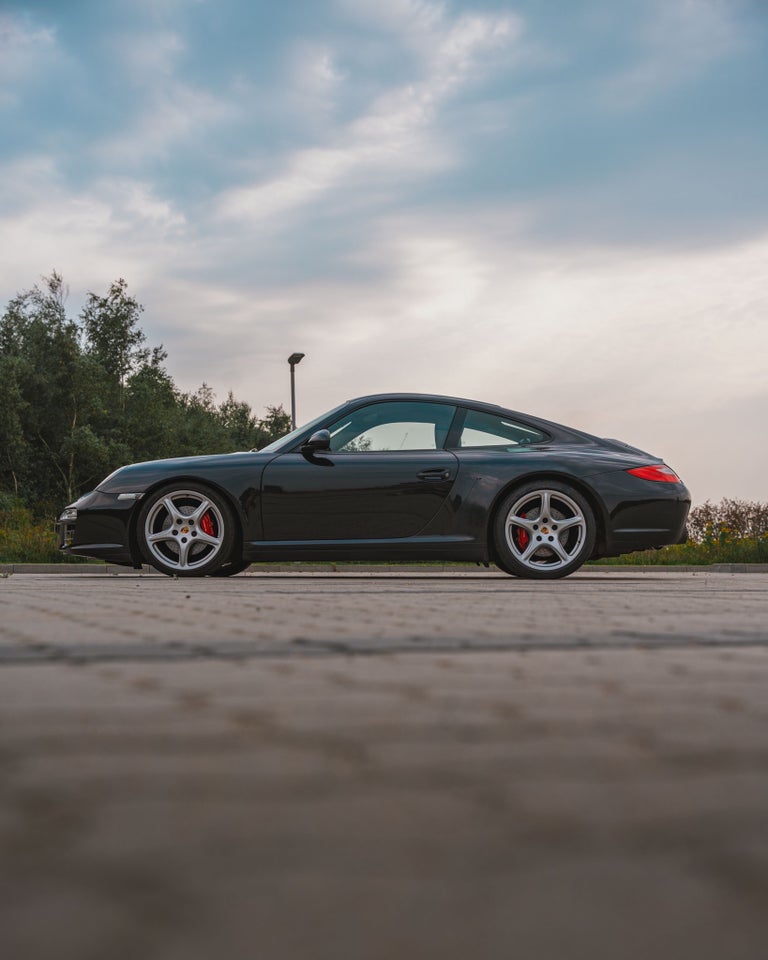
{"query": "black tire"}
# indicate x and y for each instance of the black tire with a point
(543, 530)
(231, 569)
(186, 529)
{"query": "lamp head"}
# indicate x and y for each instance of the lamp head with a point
(295, 358)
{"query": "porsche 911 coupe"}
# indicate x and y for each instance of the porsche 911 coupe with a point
(389, 477)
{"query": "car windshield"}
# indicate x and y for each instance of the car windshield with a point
(287, 441)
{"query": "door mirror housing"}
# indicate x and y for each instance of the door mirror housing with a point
(320, 440)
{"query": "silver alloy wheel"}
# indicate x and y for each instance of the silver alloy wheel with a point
(184, 530)
(545, 530)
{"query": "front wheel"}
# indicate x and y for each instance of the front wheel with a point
(543, 531)
(186, 530)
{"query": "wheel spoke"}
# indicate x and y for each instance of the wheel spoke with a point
(206, 538)
(568, 523)
(524, 522)
(560, 550)
(184, 549)
(196, 516)
(161, 536)
(529, 551)
(546, 505)
(171, 508)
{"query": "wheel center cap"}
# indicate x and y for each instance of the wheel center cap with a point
(185, 529)
(545, 529)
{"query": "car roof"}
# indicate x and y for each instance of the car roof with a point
(431, 398)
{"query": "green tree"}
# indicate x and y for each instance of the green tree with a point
(152, 410)
(238, 422)
(276, 424)
(13, 449)
(200, 429)
(114, 339)
(80, 398)
(40, 371)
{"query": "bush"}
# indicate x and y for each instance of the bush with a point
(23, 539)
(736, 519)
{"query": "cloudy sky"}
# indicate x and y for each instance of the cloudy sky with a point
(560, 206)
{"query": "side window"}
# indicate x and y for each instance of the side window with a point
(491, 430)
(411, 425)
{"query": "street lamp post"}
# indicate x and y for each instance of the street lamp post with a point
(293, 360)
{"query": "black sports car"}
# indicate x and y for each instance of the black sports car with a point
(389, 477)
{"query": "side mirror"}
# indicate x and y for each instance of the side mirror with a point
(320, 440)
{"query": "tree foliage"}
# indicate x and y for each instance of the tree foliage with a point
(80, 397)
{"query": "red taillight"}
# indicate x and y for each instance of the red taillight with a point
(656, 471)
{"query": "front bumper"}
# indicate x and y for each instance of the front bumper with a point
(98, 525)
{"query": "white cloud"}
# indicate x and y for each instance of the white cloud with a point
(117, 227)
(163, 112)
(680, 40)
(175, 114)
(149, 57)
(315, 76)
(135, 209)
(24, 52)
(672, 322)
(396, 136)
(414, 20)
(23, 179)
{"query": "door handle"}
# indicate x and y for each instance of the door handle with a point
(434, 475)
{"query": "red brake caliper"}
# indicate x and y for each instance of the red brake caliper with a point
(522, 536)
(206, 525)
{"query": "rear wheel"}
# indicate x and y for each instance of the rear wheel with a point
(186, 530)
(544, 530)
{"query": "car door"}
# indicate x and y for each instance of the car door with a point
(385, 476)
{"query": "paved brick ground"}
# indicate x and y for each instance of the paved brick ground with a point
(382, 767)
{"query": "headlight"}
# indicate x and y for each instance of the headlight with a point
(69, 514)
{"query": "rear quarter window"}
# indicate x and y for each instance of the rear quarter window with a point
(491, 430)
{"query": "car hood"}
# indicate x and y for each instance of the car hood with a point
(135, 476)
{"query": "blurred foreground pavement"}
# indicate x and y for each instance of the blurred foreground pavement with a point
(384, 766)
